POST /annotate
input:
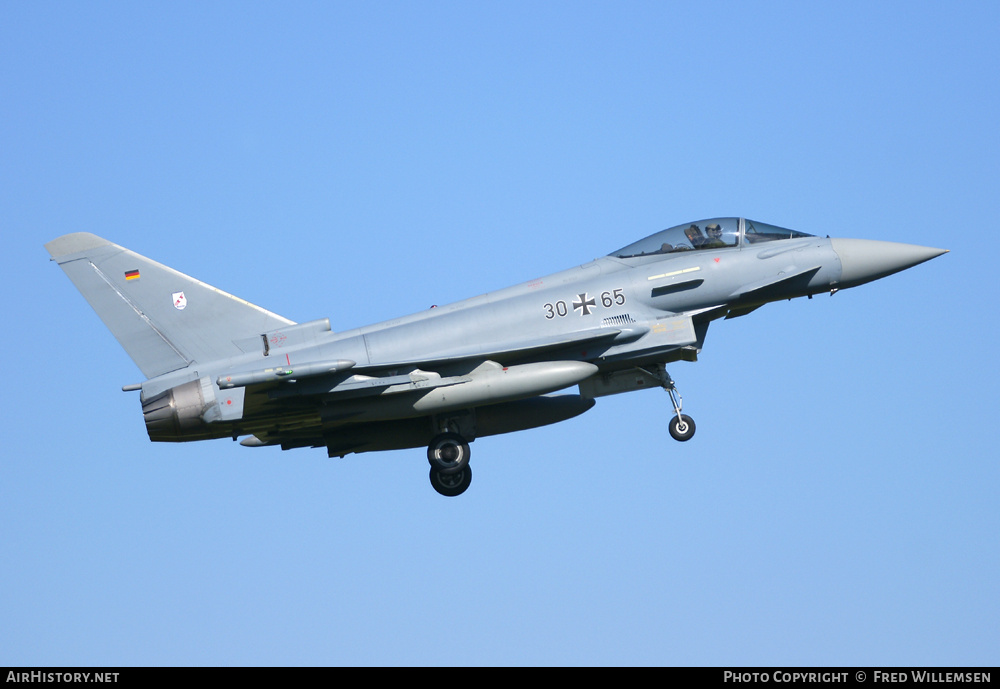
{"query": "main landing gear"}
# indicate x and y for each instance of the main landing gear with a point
(451, 485)
(448, 454)
(681, 427)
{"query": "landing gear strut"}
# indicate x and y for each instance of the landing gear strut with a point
(448, 454)
(681, 427)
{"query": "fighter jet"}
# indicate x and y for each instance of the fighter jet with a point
(220, 367)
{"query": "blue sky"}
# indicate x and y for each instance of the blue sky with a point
(361, 161)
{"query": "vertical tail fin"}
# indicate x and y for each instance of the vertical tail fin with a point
(164, 319)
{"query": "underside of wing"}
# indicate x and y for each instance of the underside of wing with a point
(363, 413)
(394, 404)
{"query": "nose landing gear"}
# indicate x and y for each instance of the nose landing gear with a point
(681, 427)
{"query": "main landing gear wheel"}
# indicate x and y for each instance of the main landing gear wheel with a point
(682, 427)
(448, 453)
(451, 484)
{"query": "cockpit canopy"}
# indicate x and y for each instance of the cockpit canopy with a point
(717, 233)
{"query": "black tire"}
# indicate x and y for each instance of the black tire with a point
(448, 453)
(451, 484)
(682, 427)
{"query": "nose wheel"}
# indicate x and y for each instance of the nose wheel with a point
(681, 427)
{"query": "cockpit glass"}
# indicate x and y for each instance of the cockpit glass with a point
(758, 232)
(718, 233)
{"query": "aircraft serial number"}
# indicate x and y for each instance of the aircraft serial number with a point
(584, 304)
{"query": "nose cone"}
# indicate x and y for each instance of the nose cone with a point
(864, 260)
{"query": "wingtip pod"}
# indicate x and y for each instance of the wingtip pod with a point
(864, 260)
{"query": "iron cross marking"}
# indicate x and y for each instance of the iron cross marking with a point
(583, 304)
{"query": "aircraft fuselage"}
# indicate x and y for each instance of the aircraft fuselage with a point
(218, 366)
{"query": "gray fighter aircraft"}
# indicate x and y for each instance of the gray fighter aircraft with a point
(220, 367)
